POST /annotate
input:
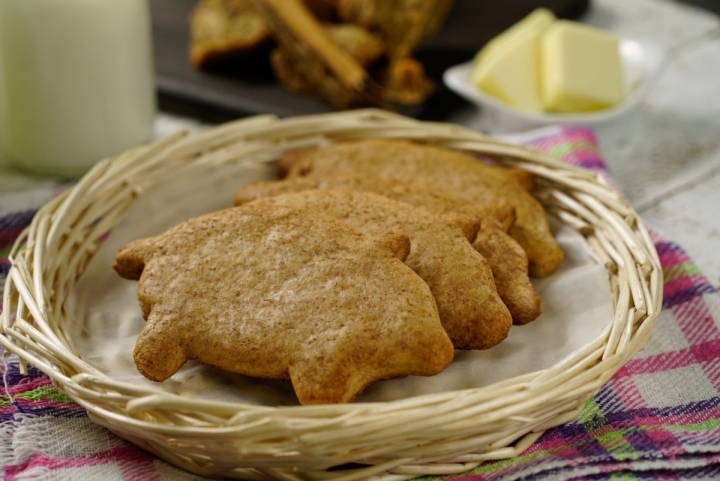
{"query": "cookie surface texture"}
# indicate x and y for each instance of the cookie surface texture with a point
(447, 170)
(506, 258)
(460, 279)
(278, 292)
(497, 213)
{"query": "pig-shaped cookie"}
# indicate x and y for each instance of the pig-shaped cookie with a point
(448, 170)
(280, 292)
(460, 279)
(506, 258)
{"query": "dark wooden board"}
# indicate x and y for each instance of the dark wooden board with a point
(249, 88)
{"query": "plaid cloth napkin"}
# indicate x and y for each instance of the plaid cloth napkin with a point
(658, 418)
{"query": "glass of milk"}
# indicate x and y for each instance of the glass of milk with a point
(76, 82)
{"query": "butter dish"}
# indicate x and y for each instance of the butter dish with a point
(642, 62)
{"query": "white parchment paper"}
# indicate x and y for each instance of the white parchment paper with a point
(106, 318)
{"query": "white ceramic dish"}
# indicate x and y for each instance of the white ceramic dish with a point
(642, 62)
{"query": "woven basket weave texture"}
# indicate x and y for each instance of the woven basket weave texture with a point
(443, 433)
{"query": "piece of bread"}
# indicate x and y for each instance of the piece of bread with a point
(404, 82)
(403, 24)
(312, 79)
(364, 46)
(448, 170)
(222, 30)
(329, 60)
(308, 50)
(279, 292)
(506, 258)
(228, 30)
(460, 279)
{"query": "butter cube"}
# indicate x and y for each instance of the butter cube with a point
(538, 20)
(508, 67)
(581, 68)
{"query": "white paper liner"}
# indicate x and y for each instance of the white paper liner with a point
(577, 305)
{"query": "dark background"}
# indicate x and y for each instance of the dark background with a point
(249, 88)
(712, 5)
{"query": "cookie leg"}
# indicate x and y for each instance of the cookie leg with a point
(471, 310)
(158, 351)
(313, 386)
(509, 266)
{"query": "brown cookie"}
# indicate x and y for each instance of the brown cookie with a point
(497, 213)
(289, 158)
(460, 279)
(448, 170)
(506, 258)
(279, 292)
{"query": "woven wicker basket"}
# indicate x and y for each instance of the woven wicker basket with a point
(443, 433)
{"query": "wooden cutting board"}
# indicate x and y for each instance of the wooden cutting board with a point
(249, 87)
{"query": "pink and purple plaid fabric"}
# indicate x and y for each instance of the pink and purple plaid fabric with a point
(658, 418)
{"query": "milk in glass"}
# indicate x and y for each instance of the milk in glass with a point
(76, 81)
